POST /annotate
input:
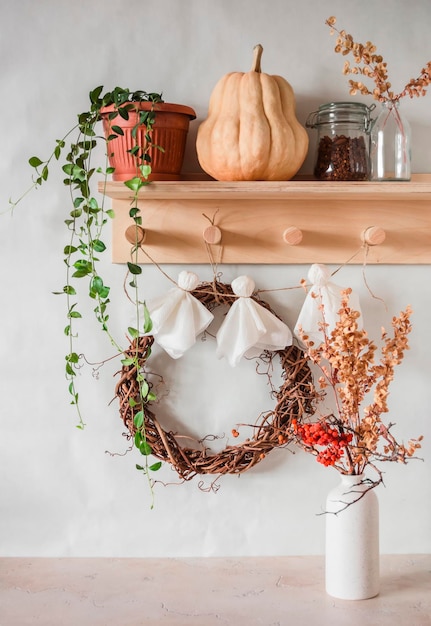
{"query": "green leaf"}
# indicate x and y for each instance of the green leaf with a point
(78, 201)
(69, 290)
(73, 357)
(134, 183)
(124, 113)
(88, 131)
(132, 401)
(145, 170)
(148, 324)
(133, 332)
(155, 466)
(95, 94)
(138, 420)
(145, 448)
(71, 312)
(69, 250)
(93, 204)
(35, 161)
(117, 130)
(83, 268)
(87, 145)
(81, 264)
(78, 173)
(69, 370)
(96, 284)
(98, 245)
(104, 292)
(133, 268)
(126, 362)
(57, 152)
(144, 389)
(151, 397)
(110, 213)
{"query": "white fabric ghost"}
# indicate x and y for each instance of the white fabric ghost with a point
(178, 317)
(326, 293)
(248, 327)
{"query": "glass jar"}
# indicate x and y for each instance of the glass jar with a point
(343, 140)
(390, 150)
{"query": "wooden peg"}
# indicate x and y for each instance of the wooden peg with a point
(292, 236)
(212, 235)
(135, 235)
(373, 235)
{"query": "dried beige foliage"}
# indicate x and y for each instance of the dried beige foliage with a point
(371, 65)
(347, 361)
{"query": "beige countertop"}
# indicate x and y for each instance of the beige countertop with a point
(204, 591)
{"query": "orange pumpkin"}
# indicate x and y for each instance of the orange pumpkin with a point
(251, 132)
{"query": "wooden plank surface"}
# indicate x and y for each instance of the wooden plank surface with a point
(253, 217)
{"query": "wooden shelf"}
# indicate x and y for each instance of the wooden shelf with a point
(331, 218)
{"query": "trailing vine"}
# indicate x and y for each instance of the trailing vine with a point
(85, 224)
(133, 357)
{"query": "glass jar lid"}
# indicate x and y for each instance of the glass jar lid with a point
(341, 113)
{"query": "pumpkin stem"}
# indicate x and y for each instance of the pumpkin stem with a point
(257, 55)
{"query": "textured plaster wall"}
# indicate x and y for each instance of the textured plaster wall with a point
(61, 494)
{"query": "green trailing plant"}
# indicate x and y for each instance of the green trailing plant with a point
(87, 218)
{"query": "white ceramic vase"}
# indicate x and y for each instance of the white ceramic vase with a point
(352, 540)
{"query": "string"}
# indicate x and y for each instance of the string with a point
(364, 276)
(157, 265)
(304, 285)
(213, 262)
(355, 254)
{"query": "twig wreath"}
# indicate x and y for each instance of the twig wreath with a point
(272, 429)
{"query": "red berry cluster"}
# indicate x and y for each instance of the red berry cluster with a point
(320, 434)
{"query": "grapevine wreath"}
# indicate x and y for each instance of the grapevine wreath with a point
(294, 398)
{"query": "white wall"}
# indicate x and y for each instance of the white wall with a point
(61, 494)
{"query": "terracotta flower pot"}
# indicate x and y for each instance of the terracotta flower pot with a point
(169, 131)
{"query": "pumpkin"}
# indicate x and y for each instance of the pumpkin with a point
(251, 131)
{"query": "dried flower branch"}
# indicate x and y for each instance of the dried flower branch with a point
(350, 439)
(371, 65)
